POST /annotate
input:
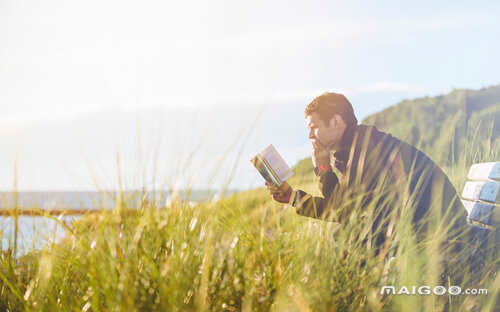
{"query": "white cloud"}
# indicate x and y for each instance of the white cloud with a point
(27, 117)
(386, 87)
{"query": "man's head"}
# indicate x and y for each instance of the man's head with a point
(327, 117)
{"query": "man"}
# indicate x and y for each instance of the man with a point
(359, 166)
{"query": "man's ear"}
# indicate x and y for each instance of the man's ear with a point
(334, 121)
(339, 120)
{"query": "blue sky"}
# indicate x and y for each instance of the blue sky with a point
(63, 61)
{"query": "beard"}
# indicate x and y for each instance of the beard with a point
(318, 145)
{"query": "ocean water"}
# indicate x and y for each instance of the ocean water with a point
(34, 231)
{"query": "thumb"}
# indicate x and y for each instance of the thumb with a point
(284, 186)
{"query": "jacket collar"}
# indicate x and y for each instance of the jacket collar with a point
(341, 155)
(347, 138)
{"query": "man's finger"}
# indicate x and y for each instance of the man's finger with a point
(284, 187)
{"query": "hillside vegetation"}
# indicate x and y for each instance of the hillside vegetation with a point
(445, 126)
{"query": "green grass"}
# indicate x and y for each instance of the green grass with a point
(244, 252)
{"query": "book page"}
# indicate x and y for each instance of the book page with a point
(277, 163)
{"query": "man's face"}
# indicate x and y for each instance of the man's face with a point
(325, 135)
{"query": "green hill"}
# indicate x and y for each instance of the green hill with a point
(445, 126)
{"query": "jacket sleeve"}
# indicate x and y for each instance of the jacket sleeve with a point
(312, 206)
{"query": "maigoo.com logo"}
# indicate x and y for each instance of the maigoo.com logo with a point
(428, 290)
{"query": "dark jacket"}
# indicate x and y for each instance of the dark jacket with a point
(375, 166)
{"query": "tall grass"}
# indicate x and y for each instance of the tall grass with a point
(241, 253)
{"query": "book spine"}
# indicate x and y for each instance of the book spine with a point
(271, 170)
(264, 169)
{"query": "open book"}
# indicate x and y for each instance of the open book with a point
(272, 166)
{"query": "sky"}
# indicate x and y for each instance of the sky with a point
(81, 81)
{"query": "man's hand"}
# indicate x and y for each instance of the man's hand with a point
(320, 157)
(280, 194)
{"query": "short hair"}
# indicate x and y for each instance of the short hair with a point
(328, 104)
